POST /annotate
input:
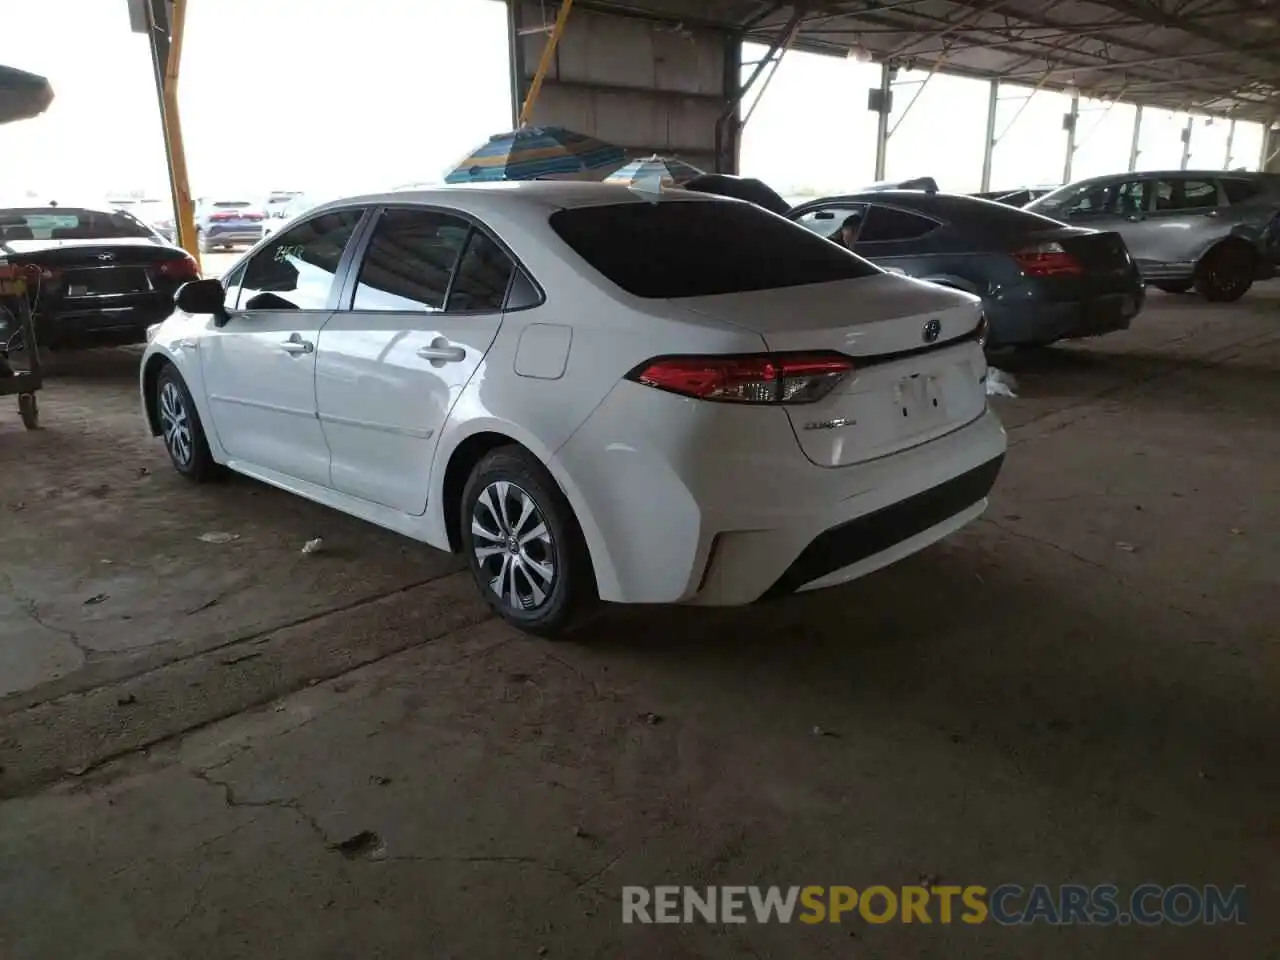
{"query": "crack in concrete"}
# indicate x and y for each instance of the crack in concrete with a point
(31, 608)
(291, 804)
(1067, 551)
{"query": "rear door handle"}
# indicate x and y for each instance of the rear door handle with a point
(442, 351)
(296, 345)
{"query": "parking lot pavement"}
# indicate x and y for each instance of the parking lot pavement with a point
(340, 755)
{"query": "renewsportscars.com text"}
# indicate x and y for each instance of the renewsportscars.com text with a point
(1008, 904)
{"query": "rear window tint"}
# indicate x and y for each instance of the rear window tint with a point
(700, 249)
(1240, 191)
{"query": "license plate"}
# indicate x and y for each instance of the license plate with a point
(920, 402)
(128, 280)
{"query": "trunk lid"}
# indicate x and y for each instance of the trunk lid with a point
(88, 253)
(83, 269)
(1108, 268)
(917, 368)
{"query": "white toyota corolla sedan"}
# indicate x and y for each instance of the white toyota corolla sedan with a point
(589, 391)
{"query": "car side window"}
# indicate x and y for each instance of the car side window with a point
(887, 224)
(826, 221)
(1197, 195)
(1110, 199)
(1239, 190)
(410, 259)
(295, 271)
(483, 276)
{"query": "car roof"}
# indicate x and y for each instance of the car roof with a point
(547, 195)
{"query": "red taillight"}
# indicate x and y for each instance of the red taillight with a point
(224, 216)
(753, 378)
(1047, 260)
(253, 216)
(181, 269)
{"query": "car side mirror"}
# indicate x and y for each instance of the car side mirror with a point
(203, 296)
(824, 215)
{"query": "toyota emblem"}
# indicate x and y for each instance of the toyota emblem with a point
(106, 256)
(932, 330)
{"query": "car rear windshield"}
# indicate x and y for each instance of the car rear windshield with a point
(59, 223)
(701, 248)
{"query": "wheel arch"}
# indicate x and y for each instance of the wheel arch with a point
(150, 374)
(1241, 241)
(466, 451)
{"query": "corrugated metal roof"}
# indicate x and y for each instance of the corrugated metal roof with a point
(1214, 56)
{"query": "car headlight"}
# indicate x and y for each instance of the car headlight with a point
(151, 331)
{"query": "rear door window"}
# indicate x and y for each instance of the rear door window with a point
(700, 248)
(887, 224)
(1174, 194)
(410, 261)
(483, 276)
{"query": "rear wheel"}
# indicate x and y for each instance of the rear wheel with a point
(181, 428)
(1226, 273)
(523, 543)
(1173, 286)
(29, 410)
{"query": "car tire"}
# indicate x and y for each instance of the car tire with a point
(538, 583)
(180, 426)
(1173, 286)
(1226, 273)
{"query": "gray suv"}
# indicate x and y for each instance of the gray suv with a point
(1212, 230)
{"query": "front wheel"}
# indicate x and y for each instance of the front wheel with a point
(181, 428)
(523, 543)
(1226, 273)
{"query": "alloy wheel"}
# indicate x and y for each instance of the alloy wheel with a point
(175, 424)
(513, 546)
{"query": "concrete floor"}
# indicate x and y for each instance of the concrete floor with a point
(1079, 688)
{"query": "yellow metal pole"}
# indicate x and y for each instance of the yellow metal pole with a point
(548, 52)
(184, 215)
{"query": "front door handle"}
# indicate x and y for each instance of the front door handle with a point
(442, 351)
(296, 345)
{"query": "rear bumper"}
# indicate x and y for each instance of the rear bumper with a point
(716, 505)
(214, 234)
(850, 545)
(99, 326)
(1037, 321)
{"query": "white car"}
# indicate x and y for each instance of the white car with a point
(589, 391)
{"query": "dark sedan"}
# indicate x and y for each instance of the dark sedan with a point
(104, 276)
(1040, 280)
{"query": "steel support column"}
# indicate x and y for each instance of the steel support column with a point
(882, 119)
(1137, 133)
(164, 21)
(1231, 138)
(1069, 121)
(515, 46)
(989, 144)
(544, 64)
(1270, 149)
(729, 126)
(1186, 142)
